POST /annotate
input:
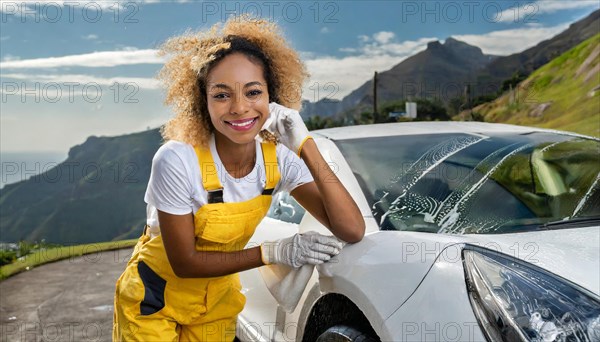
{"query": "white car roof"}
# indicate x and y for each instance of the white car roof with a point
(423, 127)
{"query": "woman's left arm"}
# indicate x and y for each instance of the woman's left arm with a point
(327, 199)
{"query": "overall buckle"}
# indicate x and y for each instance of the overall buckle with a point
(215, 196)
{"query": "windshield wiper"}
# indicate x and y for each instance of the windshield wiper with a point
(571, 223)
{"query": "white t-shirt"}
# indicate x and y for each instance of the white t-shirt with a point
(175, 184)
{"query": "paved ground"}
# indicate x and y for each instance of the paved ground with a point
(69, 300)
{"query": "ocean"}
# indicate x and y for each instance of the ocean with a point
(18, 166)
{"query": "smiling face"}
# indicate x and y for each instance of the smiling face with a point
(237, 98)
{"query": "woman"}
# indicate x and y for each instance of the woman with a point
(212, 181)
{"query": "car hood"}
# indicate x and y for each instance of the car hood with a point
(573, 254)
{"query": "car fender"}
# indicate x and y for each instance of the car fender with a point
(439, 309)
(382, 271)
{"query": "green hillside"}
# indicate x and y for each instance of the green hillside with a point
(563, 94)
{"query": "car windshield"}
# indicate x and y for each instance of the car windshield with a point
(467, 184)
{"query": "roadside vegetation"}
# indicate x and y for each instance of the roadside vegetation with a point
(30, 255)
(563, 94)
(428, 110)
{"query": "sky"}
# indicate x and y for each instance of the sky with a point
(72, 69)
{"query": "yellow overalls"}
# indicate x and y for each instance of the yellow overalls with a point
(153, 304)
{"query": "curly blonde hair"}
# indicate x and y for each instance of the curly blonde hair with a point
(193, 55)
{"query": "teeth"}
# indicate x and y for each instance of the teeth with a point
(242, 124)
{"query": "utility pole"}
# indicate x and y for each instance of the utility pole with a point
(467, 95)
(375, 97)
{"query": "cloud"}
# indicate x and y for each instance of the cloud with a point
(383, 37)
(150, 2)
(383, 43)
(27, 6)
(335, 77)
(325, 30)
(50, 125)
(503, 42)
(90, 60)
(82, 80)
(8, 118)
(551, 6)
(90, 37)
(9, 57)
(528, 12)
(3, 38)
(405, 48)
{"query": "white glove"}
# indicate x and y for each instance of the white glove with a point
(288, 127)
(300, 249)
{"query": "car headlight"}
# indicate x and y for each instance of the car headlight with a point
(517, 301)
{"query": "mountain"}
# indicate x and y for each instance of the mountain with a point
(531, 59)
(440, 69)
(96, 194)
(563, 94)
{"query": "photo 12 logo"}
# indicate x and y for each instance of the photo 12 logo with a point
(71, 172)
(68, 11)
(64, 331)
(52, 92)
(469, 11)
(291, 12)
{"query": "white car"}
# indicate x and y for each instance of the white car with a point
(475, 232)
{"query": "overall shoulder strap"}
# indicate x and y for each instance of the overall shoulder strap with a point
(210, 178)
(271, 167)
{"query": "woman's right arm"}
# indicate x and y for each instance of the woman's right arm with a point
(178, 237)
(170, 191)
(187, 262)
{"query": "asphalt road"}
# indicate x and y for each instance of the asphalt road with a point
(69, 300)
